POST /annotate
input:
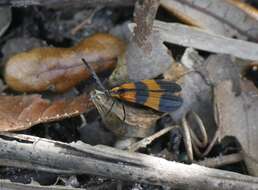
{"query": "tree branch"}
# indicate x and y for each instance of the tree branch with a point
(62, 3)
(81, 158)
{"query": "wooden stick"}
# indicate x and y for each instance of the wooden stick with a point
(56, 3)
(8, 185)
(148, 140)
(193, 37)
(86, 21)
(146, 51)
(144, 15)
(80, 158)
(221, 160)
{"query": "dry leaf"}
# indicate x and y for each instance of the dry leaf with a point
(59, 69)
(229, 19)
(237, 116)
(22, 112)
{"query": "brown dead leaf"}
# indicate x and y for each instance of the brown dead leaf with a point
(22, 112)
(237, 116)
(230, 20)
(60, 69)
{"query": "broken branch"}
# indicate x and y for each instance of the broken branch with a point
(81, 158)
(54, 3)
(8, 185)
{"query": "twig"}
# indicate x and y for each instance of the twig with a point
(146, 141)
(86, 21)
(146, 51)
(58, 3)
(221, 160)
(144, 15)
(8, 185)
(193, 37)
(81, 158)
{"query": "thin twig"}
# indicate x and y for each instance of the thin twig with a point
(221, 160)
(144, 15)
(8, 185)
(148, 140)
(86, 21)
(59, 3)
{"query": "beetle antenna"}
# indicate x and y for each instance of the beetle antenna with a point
(95, 76)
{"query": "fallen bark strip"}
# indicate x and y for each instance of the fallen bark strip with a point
(54, 3)
(193, 37)
(8, 185)
(81, 158)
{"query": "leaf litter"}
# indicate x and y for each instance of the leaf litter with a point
(214, 88)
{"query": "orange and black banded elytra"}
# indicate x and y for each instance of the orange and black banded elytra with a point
(156, 94)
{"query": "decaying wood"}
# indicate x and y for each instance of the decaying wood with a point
(56, 3)
(193, 37)
(81, 158)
